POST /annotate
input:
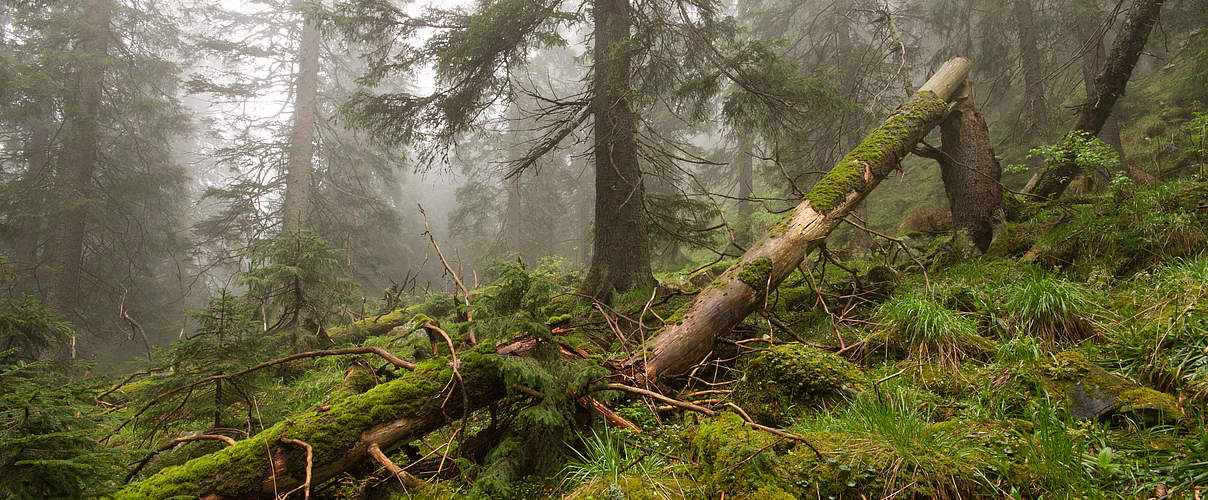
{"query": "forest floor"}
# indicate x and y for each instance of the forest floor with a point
(1071, 361)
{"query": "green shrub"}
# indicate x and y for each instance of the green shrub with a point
(28, 329)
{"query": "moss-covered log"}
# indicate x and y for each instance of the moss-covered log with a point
(390, 414)
(743, 288)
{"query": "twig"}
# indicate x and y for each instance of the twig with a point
(655, 395)
(773, 430)
(312, 354)
(895, 374)
(405, 478)
(310, 462)
(753, 455)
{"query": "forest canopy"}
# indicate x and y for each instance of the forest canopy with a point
(671, 249)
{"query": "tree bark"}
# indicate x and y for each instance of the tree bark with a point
(513, 222)
(81, 153)
(1033, 75)
(302, 139)
(970, 172)
(1109, 86)
(743, 288)
(620, 257)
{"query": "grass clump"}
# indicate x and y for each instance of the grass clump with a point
(885, 443)
(1049, 307)
(602, 462)
(917, 326)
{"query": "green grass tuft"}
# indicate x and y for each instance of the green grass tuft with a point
(918, 326)
(1049, 307)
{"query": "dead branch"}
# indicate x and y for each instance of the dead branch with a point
(134, 326)
(655, 395)
(310, 462)
(405, 478)
(449, 269)
(773, 430)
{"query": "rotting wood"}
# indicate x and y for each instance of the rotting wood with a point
(970, 171)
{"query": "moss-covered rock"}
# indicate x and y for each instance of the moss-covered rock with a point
(1091, 392)
(794, 377)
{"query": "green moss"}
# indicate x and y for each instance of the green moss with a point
(237, 469)
(846, 177)
(849, 174)
(677, 317)
(1091, 392)
(1152, 406)
(756, 273)
(368, 327)
(733, 458)
(793, 377)
(561, 318)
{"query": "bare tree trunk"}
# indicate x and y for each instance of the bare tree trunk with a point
(745, 170)
(743, 288)
(32, 224)
(513, 219)
(302, 139)
(1109, 86)
(81, 117)
(970, 172)
(1033, 75)
(620, 257)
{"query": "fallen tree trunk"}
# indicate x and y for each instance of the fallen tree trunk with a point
(1109, 86)
(744, 287)
(340, 436)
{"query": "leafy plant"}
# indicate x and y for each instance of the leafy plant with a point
(1087, 151)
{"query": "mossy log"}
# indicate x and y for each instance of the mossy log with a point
(742, 289)
(340, 436)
